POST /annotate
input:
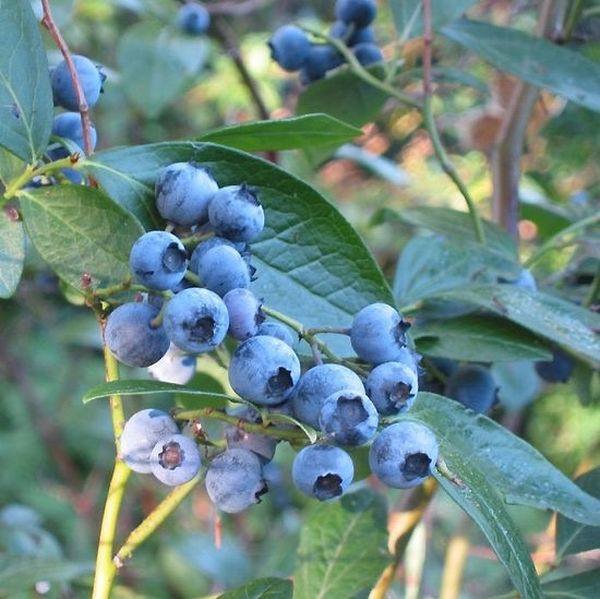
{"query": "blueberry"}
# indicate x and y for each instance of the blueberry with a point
(322, 471)
(175, 459)
(359, 13)
(236, 213)
(141, 433)
(321, 59)
(196, 320)
(183, 193)
(222, 269)
(234, 480)
(262, 445)
(403, 454)
(68, 125)
(349, 417)
(245, 313)
(367, 54)
(158, 260)
(351, 37)
(557, 370)
(204, 246)
(89, 77)
(316, 385)
(526, 281)
(289, 47)
(193, 18)
(473, 386)
(378, 333)
(392, 387)
(174, 367)
(276, 329)
(131, 338)
(264, 370)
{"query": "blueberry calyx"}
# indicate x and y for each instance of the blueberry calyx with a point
(171, 456)
(202, 329)
(174, 258)
(281, 381)
(327, 486)
(415, 466)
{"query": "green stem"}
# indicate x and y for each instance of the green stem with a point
(334, 330)
(192, 277)
(573, 16)
(149, 525)
(594, 290)
(30, 172)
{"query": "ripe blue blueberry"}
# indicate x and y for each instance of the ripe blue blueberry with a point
(318, 383)
(158, 260)
(141, 433)
(175, 459)
(359, 13)
(349, 417)
(236, 213)
(526, 280)
(351, 37)
(473, 386)
(392, 387)
(193, 18)
(234, 480)
(245, 313)
(222, 269)
(131, 337)
(264, 370)
(403, 454)
(378, 333)
(209, 244)
(321, 59)
(196, 320)
(174, 367)
(262, 445)
(68, 125)
(276, 329)
(557, 370)
(289, 47)
(183, 193)
(367, 54)
(90, 78)
(322, 471)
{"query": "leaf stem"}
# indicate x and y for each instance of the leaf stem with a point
(30, 172)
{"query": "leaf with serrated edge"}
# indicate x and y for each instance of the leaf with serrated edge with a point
(12, 254)
(262, 588)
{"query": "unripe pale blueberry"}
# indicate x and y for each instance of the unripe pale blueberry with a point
(174, 367)
(222, 269)
(131, 337)
(349, 417)
(322, 471)
(276, 329)
(557, 370)
(392, 387)
(262, 445)
(359, 13)
(175, 459)
(62, 86)
(193, 18)
(245, 313)
(316, 385)
(158, 260)
(264, 370)
(68, 125)
(141, 433)
(403, 454)
(367, 54)
(473, 386)
(236, 213)
(234, 480)
(289, 47)
(196, 320)
(378, 333)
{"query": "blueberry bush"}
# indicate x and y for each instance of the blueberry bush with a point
(299, 299)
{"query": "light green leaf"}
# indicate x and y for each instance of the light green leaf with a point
(535, 60)
(26, 108)
(12, 253)
(343, 548)
(79, 230)
(518, 382)
(10, 166)
(579, 586)
(262, 588)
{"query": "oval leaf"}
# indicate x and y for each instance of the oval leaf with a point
(579, 586)
(12, 253)
(262, 588)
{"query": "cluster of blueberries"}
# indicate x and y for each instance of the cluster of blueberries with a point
(293, 51)
(194, 301)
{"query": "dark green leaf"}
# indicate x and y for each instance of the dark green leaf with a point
(561, 322)
(17, 574)
(12, 253)
(574, 537)
(79, 230)
(579, 586)
(10, 166)
(478, 338)
(343, 548)
(262, 588)
(147, 387)
(25, 95)
(310, 262)
(517, 471)
(586, 382)
(305, 131)
(532, 59)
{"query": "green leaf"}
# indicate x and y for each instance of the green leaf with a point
(574, 537)
(149, 387)
(262, 588)
(79, 230)
(518, 382)
(561, 322)
(516, 470)
(532, 59)
(310, 262)
(26, 107)
(579, 586)
(478, 338)
(154, 66)
(586, 382)
(11, 166)
(343, 548)
(305, 131)
(18, 574)
(12, 253)
(408, 14)
(548, 218)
